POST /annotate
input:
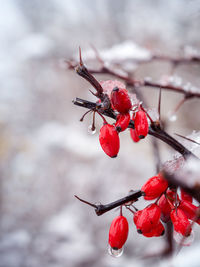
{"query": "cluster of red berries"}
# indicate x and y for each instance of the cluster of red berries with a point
(168, 206)
(109, 134)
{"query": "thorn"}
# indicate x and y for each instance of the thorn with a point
(159, 104)
(95, 94)
(191, 140)
(151, 120)
(86, 202)
(80, 57)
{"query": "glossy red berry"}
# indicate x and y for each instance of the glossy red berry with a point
(141, 124)
(166, 203)
(109, 85)
(134, 135)
(154, 187)
(190, 210)
(122, 122)
(165, 208)
(158, 230)
(120, 100)
(185, 196)
(118, 232)
(180, 222)
(109, 140)
(148, 218)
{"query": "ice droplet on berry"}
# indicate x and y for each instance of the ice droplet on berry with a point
(172, 116)
(183, 240)
(91, 130)
(115, 252)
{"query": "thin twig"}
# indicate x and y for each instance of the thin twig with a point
(101, 209)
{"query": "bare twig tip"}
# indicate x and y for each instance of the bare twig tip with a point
(80, 57)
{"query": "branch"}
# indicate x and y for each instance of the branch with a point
(172, 179)
(101, 209)
(154, 129)
(144, 83)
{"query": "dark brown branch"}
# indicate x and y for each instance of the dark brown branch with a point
(194, 191)
(154, 129)
(101, 209)
(83, 72)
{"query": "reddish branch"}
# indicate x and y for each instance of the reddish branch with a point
(188, 94)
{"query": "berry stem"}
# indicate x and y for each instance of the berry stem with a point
(121, 210)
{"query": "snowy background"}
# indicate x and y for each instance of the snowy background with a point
(47, 155)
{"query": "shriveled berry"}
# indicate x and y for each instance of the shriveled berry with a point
(122, 122)
(154, 187)
(134, 135)
(158, 230)
(190, 210)
(148, 218)
(120, 100)
(118, 232)
(180, 222)
(141, 124)
(109, 140)
(185, 196)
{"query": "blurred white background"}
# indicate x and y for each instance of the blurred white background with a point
(47, 155)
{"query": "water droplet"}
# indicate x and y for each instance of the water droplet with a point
(182, 240)
(115, 252)
(172, 116)
(91, 130)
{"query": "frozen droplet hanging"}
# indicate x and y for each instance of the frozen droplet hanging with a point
(91, 130)
(183, 240)
(115, 252)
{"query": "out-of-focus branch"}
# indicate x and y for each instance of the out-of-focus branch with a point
(188, 94)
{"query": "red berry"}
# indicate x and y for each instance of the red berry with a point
(166, 203)
(120, 100)
(118, 232)
(109, 85)
(122, 122)
(154, 187)
(148, 218)
(185, 196)
(190, 210)
(180, 222)
(109, 140)
(134, 135)
(158, 230)
(165, 208)
(141, 124)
